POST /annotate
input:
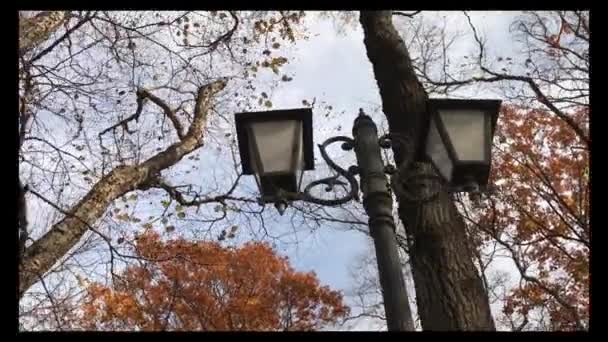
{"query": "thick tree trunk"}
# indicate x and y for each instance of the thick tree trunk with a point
(35, 30)
(64, 235)
(449, 291)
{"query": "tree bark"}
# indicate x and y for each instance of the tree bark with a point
(65, 234)
(35, 30)
(449, 291)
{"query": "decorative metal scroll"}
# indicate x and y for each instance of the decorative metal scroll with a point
(331, 182)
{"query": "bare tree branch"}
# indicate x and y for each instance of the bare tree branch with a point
(48, 49)
(171, 114)
(403, 14)
(178, 196)
(33, 31)
(43, 253)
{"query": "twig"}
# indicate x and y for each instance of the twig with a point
(124, 123)
(168, 112)
(103, 236)
(176, 195)
(86, 19)
(403, 14)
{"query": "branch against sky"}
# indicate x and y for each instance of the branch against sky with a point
(80, 75)
(550, 69)
(540, 169)
(46, 251)
(84, 79)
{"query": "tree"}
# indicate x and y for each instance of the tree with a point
(538, 215)
(83, 76)
(210, 287)
(110, 101)
(551, 72)
(35, 30)
(449, 290)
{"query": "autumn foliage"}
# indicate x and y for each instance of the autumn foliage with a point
(539, 216)
(202, 286)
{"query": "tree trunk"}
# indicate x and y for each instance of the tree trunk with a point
(64, 235)
(35, 30)
(449, 291)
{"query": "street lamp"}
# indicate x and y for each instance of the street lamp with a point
(276, 146)
(459, 141)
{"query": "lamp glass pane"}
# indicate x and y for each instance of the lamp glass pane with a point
(435, 149)
(279, 145)
(466, 130)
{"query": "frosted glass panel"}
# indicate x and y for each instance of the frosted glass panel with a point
(435, 149)
(276, 143)
(467, 133)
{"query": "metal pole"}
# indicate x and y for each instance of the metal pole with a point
(378, 204)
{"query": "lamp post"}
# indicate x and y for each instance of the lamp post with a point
(276, 147)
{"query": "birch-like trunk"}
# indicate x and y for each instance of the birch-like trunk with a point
(65, 234)
(37, 29)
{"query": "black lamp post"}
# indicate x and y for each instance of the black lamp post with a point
(276, 146)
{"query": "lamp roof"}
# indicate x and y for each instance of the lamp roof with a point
(491, 107)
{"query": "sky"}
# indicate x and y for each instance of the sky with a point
(334, 69)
